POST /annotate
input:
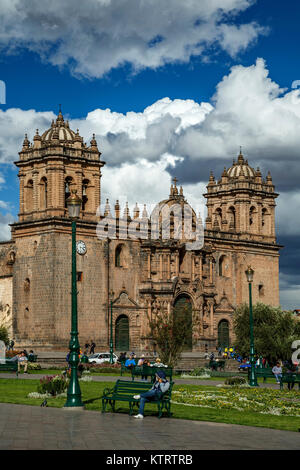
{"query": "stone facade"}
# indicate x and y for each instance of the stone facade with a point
(129, 278)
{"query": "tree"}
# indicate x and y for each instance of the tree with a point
(4, 334)
(274, 331)
(169, 332)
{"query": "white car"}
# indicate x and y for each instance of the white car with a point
(99, 358)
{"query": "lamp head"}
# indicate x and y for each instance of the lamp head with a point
(249, 274)
(74, 205)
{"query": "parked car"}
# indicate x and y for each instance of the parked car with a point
(99, 358)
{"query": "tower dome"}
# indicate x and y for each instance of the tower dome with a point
(241, 168)
(59, 130)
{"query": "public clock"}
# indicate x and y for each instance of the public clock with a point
(81, 247)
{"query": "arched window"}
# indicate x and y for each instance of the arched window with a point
(265, 221)
(252, 212)
(224, 266)
(86, 195)
(218, 219)
(223, 334)
(261, 291)
(122, 333)
(29, 196)
(118, 253)
(68, 184)
(232, 218)
(221, 265)
(43, 193)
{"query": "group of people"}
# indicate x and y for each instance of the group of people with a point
(89, 346)
(290, 368)
(23, 358)
(10, 345)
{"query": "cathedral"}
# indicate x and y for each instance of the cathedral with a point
(127, 279)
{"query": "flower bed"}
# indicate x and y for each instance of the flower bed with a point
(53, 385)
(264, 401)
(198, 373)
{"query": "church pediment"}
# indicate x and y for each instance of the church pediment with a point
(224, 305)
(124, 301)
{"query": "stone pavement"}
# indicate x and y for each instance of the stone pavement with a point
(34, 428)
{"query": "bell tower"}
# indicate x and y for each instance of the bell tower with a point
(240, 224)
(54, 164)
(50, 167)
(242, 202)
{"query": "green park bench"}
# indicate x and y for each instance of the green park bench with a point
(127, 369)
(289, 378)
(10, 366)
(265, 372)
(149, 371)
(125, 390)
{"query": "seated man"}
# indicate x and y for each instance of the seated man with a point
(130, 363)
(22, 362)
(160, 386)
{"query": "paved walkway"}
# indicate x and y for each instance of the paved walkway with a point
(111, 378)
(33, 428)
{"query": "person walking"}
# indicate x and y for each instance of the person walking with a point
(160, 386)
(93, 345)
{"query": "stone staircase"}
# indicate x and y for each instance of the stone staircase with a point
(188, 361)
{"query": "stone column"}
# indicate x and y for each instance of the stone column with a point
(211, 317)
(149, 264)
(210, 270)
(176, 264)
(200, 268)
(21, 178)
(160, 266)
(36, 187)
(192, 267)
(168, 266)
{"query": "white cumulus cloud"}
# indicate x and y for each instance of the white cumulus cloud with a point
(95, 36)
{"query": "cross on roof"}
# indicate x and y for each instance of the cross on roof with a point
(175, 180)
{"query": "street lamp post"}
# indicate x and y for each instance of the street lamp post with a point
(111, 328)
(74, 392)
(252, 379)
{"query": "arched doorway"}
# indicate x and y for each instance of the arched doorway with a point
(122, 333)
(183, 308)
(223, 334)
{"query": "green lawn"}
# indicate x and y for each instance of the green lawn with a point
(16, 391)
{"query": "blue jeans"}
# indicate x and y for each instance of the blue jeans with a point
(278, 376)
(145, 397)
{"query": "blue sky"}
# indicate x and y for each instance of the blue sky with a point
(120, 56)
(32, 83)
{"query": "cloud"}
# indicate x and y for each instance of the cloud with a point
(5, 220)
(96, 36)
(14, 123)
(147, 183)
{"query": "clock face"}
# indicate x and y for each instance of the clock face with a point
(81, 247)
